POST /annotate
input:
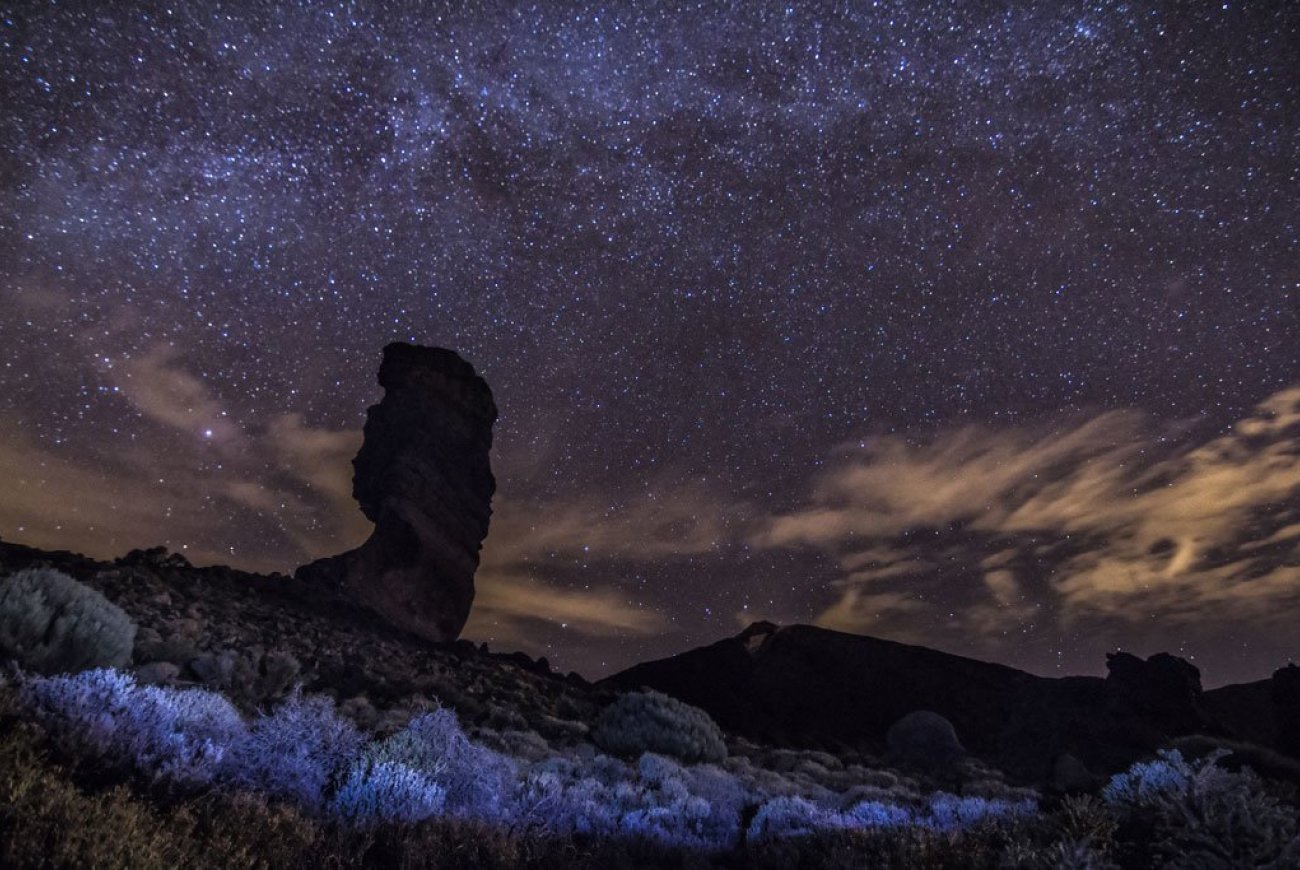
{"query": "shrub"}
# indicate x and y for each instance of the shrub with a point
(925, 740)
(183, 735)
(656, 801)
(878, 814)
(788, 816)
(48, 819)
(295, 753)
(794, 815)
(387, 792)
(641, 722)
(1149, 783)
(278, 671)
(949, 812)
(83, 709)
(562, 805)
(51, 623)
(698, 807)
(727, 798)
(1085, 819)
(1203, 815)
(477, 781)
(178, 736)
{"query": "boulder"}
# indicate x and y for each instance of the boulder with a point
(158, 673)
(1071, 776)
(925, 740)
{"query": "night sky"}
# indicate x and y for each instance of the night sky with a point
(967, 324)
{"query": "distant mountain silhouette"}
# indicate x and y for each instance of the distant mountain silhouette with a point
(801, 685)
(795, 686)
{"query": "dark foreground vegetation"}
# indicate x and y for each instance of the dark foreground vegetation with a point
(61, 810)
(113, 757)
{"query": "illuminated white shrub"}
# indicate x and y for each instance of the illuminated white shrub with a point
(1205, 815)
(387, 792)
(172, 735)
(477, 782)
(53, 624)
(296, 752)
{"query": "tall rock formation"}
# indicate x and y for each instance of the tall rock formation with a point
(424, 477)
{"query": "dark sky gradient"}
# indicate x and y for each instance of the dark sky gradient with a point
(975, 325)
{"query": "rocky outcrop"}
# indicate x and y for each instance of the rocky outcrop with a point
(1285, 692)
(423, 476)
(1164, 688)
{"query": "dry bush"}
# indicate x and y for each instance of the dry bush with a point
(640, 722)
(52, 624)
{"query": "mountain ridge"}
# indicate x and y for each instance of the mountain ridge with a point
(795, 686)
(804, 685)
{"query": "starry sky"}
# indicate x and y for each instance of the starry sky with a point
(974, 325)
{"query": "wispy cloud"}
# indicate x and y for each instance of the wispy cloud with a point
(280, 484)
(532, 545)
(1107, 518)
(505, 606)
(159, 387)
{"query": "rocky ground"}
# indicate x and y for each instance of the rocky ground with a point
(254, 637)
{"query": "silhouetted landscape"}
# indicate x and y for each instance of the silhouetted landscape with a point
(833, 434)
(339, 703)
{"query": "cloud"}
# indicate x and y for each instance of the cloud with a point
(159, 387)
(670, 520)
(280, 487)
(856, 604)
(321, 458)
(505, 605)
(533, 542)
(52, 501)
(976, 474)
(1108, 518)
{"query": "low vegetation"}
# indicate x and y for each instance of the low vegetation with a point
(98, 770)
(1198, 814)
(51, 623)
(653, 722)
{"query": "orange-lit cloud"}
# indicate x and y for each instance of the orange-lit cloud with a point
(51, 500)
(1107, 518)
(528, 541)
(504, 605)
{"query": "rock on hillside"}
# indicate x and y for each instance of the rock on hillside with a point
(424, 477)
